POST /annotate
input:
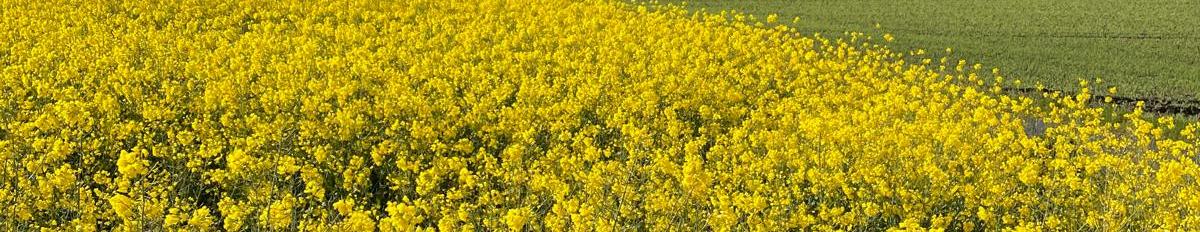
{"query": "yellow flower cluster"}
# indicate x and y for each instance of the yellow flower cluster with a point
(539, 115)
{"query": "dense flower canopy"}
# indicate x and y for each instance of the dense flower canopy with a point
(540, 115)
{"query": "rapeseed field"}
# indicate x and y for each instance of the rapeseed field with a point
(546, 115)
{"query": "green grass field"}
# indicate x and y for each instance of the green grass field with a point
(1150, 49)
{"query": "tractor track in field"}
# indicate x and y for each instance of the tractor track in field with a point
(1158, 105)
(1055, 35)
